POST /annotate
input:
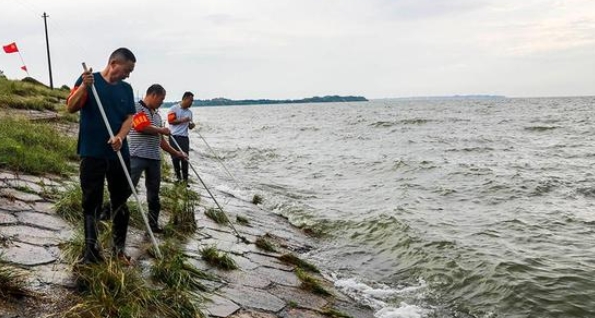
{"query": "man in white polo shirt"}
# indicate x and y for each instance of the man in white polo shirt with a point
(179, 118)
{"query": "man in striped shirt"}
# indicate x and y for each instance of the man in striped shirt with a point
(145, 139)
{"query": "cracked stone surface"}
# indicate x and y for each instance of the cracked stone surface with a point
(14, 205)
(7, 218)
(220, 307)
(268, 261)
(302, 298)
(277, 276)
(301, 313)
(42, 220)
(27, 254)
(20, 195)
(253, 298)
(242, 278)
(248, 313)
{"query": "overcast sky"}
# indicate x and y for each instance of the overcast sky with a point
(279, 49)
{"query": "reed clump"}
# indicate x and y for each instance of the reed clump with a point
(299, 263)
(265, 245)
(217, 215)
(220, 260)
(310, 283)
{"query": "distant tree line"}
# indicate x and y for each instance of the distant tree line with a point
(315, 99)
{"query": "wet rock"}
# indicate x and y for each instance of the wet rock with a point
(268, 261)
(27, 254)
(247, 313)
(244, 263)
(277, 276)
(352, 309)
(301, 298)
(253, 298)
(239, 277)
(218, 306)
(300, 313)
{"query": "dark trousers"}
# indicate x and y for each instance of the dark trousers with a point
(152, 170)
(184, 142)
(93, 172)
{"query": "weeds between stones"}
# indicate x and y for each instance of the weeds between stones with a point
(242, 220)
(310, 283)
(256, 199)
(220, 260)
(12, 282)
(174, 272)
(265, 245)
(217, 215)
(299, 263)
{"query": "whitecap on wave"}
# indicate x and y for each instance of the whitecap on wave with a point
(378, 298)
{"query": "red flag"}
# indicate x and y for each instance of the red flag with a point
(24, 68)
(10, 48)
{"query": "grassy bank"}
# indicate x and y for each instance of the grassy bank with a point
(35, 148)
(30, 94)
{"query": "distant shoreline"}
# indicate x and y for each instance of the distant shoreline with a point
(231, 102)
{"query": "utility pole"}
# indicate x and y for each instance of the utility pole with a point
(47, 44)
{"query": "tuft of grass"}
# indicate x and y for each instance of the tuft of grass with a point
(310, 283)
(292, 304)
(69, 205)
(333, 313)
(174, 272)
(299, 263)
(181, 203)
(217, 215)
(12, 282)
(265, 245)
(32, 147)
(220, 260)
(112, 290)
(256, 199)
(242, 220)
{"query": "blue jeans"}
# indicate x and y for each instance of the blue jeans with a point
(152, 170)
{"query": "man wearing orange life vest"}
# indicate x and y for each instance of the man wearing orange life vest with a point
(179, 118)
(146, 138)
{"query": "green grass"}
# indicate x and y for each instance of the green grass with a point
(242, 220)
(301, 264)
(30, 94)
(310, 283)
(69, 205)
(265, 245)
(220, 260)
(174, 272)
(256, 199)
(217, 215)
(35, 148)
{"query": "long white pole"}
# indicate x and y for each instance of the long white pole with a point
(123, 163)
(209, 192)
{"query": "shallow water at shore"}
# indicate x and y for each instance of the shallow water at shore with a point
(441, 208)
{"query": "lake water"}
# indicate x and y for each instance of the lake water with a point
(428, 208)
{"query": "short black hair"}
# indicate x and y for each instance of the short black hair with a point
(122, 54)
(156, 89)
(187, 94)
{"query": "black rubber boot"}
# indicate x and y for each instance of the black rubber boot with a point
(120, 228)
(91, 253)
